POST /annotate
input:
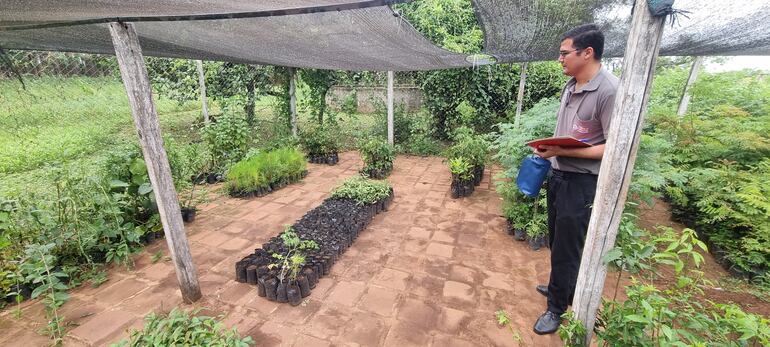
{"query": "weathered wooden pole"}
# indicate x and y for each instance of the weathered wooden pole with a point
(619, 156)
(293, 99)
(202, 84)
(137, 84)
(520, 97)
(685, 101)
(390, 108)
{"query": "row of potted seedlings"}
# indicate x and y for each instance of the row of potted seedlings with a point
(287, 267)
(326, 158)
(536, 240)
(321, 145)
(266, 172)
(527, 219)
(466, 160)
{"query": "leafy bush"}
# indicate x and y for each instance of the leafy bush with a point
(266, 169)
(474, 148)
(412, 133)
(362, 190)
(730, 207)
(182, 328)
(509, 148)
(378, 158)
(226, 139)
(675, 315)
(319, 140)
(487, 94)
(716, 168)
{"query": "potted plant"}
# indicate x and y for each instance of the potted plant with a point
(462, 177)
(289, 263)
(378, 158)
(188, 207)
(537, 227)
(320, 144)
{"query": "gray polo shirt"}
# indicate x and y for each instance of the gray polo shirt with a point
(585, 115)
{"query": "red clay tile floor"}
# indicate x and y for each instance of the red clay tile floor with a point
(431, 271)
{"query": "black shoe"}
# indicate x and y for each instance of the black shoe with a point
(548, 323)
(542, 289)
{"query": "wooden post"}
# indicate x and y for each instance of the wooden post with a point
(630, 107)
(293, 99)
(685, 101)
(202, 84)
(390, 108)
(520, 97)
(137, 84)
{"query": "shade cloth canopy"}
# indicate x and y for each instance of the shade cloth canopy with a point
(365, 35)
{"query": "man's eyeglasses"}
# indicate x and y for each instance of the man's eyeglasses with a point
(564, 54)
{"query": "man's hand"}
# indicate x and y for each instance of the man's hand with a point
(547, 151)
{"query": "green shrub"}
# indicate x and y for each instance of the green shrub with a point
(227, 140)
(319, 140)
(280, 166)
(509, 148)
(362, 190)
(378, 158)
(474, 148)
(182, 328)
(676, 315)
(716, 169)
(413, 133)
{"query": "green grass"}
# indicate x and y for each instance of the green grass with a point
(77, 121)
(73, 121)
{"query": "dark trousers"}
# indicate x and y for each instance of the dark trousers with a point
(570, 196)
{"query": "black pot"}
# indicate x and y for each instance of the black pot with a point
(304, 286)
(519, 234)
(536, 243)
(240, 271)
(280, 293)
(271, 288)
(251, 274)
(188, 214)
(312, 279)
(261, 287)
(149, 237)
(211, 178)
(293, 294)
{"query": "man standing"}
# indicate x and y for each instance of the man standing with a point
(586, 107)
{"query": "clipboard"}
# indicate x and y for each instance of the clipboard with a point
(563, 141)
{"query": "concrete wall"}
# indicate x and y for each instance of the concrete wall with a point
(368, 97)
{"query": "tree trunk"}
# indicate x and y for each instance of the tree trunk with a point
(520, 96)
(293, 100)
(249, 108)
(202, 84)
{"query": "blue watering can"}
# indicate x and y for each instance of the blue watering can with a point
(532, 174)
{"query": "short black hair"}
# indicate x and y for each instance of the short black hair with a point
(586, 35)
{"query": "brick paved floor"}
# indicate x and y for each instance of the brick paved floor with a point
(430, 272)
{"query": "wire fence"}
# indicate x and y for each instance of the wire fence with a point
(39, 64)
